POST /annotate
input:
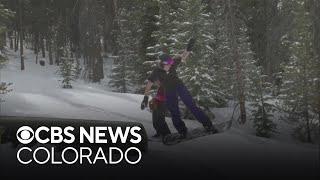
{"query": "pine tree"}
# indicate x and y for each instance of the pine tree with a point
(5, 15)
(300, 75)
(197, 73)
(315, 13)
(262, 103)
(177, 24)
(67, 69)
(123, 74)
(220, 63)
(4, 88)
(232, 58)
(90, 33)
(167, 23)
(147, 19)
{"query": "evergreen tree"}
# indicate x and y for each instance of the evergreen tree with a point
(300, 75)
(4, 88)
(124, 74)
(198, 73)
(67, 69)
(177, 24)
(233, 60)
(5, 16)
(262, 103)
(167, 30)
(315, 13)
(220, 64)
(267, 22)
(164, 34)
(147, 19)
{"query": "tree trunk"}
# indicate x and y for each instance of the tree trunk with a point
(16, 41)
(306, 114)
(99, 68)
(47, 44)
(316, 48)
(42, 47)
(36, 46)
(50, 52)
(21, 35)
(11, 39)
(57, 55)
(110, 10)
(306, 106)
(4, 37)
(78, 69)
(90, 39)
(60, 41)
(236, 59)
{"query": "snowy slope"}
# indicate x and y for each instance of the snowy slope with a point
(37, 92)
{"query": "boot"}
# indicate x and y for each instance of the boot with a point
(210, 129)
(156, 135)
(183, 134)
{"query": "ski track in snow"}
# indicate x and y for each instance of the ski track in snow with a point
(37, 92)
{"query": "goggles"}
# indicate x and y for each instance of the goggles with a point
(168, 61)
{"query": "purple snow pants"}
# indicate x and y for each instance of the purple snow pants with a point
(185, 96)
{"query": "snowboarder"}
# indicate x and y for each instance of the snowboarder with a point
(174, 88)
(157, 105)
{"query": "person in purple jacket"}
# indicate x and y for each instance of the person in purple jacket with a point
(174, 88)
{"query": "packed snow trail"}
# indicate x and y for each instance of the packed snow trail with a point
(37, 92)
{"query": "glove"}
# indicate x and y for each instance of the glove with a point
(153, 104)
(191, 44)
(144, 103)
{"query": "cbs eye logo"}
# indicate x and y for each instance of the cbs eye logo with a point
(25, 134)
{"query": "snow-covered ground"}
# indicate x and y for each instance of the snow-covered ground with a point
(37, 92)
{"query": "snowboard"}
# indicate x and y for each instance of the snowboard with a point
(194, 133)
